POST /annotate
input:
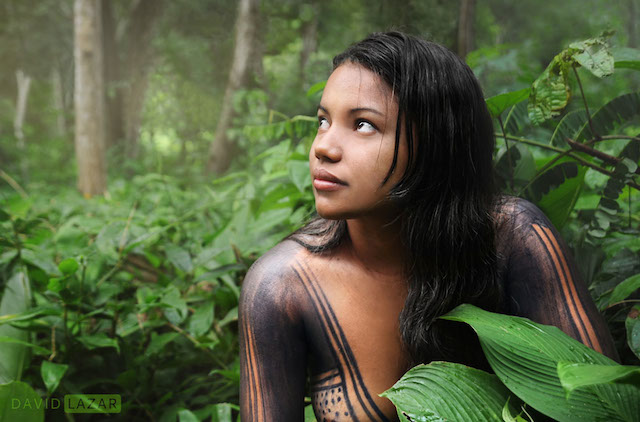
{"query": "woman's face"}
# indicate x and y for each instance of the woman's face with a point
(353, 149)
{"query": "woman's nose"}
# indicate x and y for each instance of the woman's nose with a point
(325, 147)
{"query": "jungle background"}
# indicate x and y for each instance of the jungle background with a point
(151, 150)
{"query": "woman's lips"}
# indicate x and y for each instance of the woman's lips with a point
(325, 181)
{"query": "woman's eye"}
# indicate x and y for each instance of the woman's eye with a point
(365, 127)
(323, 123)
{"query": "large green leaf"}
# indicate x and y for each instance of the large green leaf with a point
(446, 391)
(556, 191)
(616, 112)
(594, 55)
(550, 93)
(18, 402)
(577, 375)
(558, 202)
(525, 356)
(517, 119)
(625, 288)
(632, 324)
(499, 103)
(626, 58)
(16, 299)
(569, 127)
(51, 374)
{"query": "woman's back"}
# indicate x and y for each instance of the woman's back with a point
(328, 315)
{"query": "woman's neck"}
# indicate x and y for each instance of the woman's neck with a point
(376, 243)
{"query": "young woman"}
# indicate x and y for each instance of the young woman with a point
(409, 227)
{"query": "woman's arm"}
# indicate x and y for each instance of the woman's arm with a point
(544, 285)
(272, 343)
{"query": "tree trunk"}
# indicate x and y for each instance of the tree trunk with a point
(137, 62)
(632, 24)
(220, 151)
(466, 33)
(58, 102)
(114, 133)
(127, 59)
(309, 41)
(89, 98)
(24, 83)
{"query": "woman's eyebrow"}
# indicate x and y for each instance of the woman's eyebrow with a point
(372, 110)
(354, 110)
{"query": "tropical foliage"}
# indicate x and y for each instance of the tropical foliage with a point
(136, 292)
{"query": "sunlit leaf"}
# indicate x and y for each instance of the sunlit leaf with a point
(448, 391)
(51, 374)
(525, 356)
(626, 58)
(16, 299)
(97, 341)
(499, 103)
(625, 288)
(18, 402)
(578, 375)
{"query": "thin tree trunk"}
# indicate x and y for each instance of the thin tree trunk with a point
(309, 41)
(138, 61)
(466, 33)
(24, 83)
(221, 151)
(58, 102)
(89, 98)
(632, 23)
(114, 132)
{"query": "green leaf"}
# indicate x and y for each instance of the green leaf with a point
(177, 311)
(594, 55)
(35, 347)
(625, 288)
(29, 314)
(55, 285)
(231, 316)
(448, 391)
(517, 119)
(632, 324)
(18, 402)
(550, 93)
(185, 415)
(626, 58)
(309, 415)
(558, 202)
(159, 341)
(569, 127)
(201, 320)
(499, 103)
(616, 112)
(221, 412)
(52, 373)
(525, 356)
(16, 299)
(68, 266)
(507, 415)
(578, 375)
(97, 341)
(299, 174)
(317, 87)
(4, 216)
(179, 257)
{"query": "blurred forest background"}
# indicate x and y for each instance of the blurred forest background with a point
(150, 150)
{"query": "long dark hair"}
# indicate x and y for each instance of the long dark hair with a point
(446, 194)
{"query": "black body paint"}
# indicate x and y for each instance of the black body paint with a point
(288, 326)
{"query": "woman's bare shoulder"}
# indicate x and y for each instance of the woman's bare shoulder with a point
(277, 264)
(517, 213)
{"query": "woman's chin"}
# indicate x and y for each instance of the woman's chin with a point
(331, 213)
